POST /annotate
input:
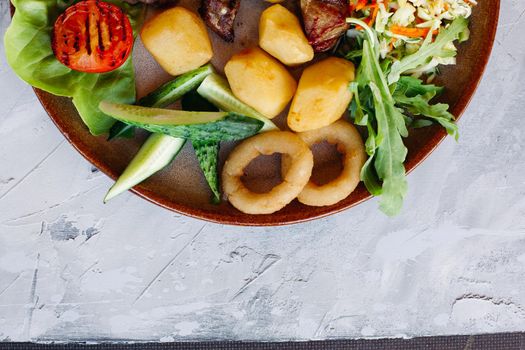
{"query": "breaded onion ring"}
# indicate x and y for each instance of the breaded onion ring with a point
(349, 143)
(301, 162)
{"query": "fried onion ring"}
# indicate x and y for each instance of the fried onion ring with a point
(349, 143)
(299, 170)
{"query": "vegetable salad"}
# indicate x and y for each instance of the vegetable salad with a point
(403, 25)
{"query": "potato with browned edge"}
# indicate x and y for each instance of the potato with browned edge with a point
(178, 40)
(260, 81)
(282, 36)
(323, 94)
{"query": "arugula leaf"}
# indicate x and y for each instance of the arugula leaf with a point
(420, 123)
(385, 147)
(411, 87)
(430, 49)
(356, 109)
(414, 96)
(419, 105)
(28, 49)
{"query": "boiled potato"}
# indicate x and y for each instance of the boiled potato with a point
(281, 35)
(323, 94)
(178, 40)
(260, 81)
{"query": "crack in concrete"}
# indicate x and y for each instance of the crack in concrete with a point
(267, 262)
(42, 161)
(156, 277)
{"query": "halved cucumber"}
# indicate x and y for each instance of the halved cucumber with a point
(165, 95)
(158, 151)
(172, 91)
(208, 156)
(207, 152)
(209, 126)
(216, 90)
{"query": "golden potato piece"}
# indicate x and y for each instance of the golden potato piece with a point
(323, 94)
(282, 36)
(260, 81)
(178, 40)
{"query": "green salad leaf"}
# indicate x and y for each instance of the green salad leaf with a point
(28, 50)
(384, 172)
(414, 97)
(430, 49)
(411, 87)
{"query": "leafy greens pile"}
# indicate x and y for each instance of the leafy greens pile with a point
(29, 53)
(386, 102)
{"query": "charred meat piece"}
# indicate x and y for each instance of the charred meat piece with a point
(324, 22)
(220, 15)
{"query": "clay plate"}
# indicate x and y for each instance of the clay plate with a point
(181, 187)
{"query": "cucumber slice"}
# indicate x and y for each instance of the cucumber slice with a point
(216, 90)
(172, 91)
(208, 156)
(207, 152)
(157, 152)
(164, 96)
(121, 130)
(210, 126)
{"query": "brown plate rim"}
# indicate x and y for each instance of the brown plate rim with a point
(268, 220)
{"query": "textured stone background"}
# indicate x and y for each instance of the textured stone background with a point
(453, 262)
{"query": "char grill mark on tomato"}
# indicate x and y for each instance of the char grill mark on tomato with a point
(92, 36)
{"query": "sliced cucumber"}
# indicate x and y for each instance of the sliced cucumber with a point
(172, 91)
(216, 90)
(210, 126)
(121, 130)
(157, 152)
(208, 156)
(165, 95)
(207, 152)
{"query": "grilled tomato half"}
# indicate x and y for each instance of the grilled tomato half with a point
(92, 36)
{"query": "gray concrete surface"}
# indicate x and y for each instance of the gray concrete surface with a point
(452, 262)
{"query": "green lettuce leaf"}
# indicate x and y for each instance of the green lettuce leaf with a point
(28, 50)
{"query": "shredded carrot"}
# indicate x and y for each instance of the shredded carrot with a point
(361, 4)
(374, 15)
(410, 32)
